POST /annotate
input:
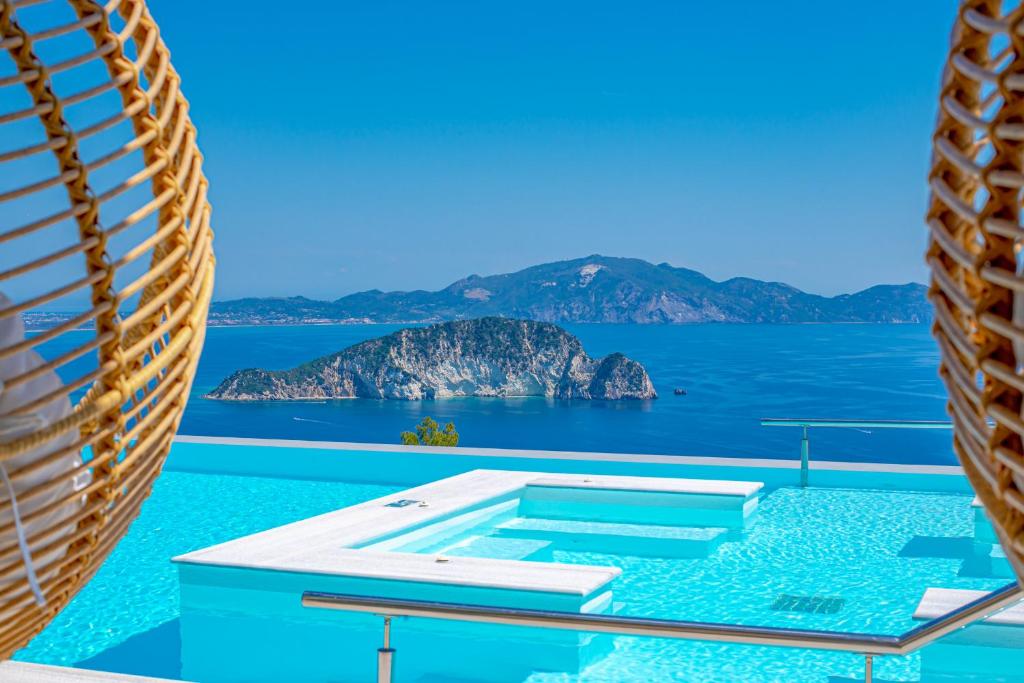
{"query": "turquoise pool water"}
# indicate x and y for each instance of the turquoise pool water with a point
(126, 616)
(875, 551)
(829, 559)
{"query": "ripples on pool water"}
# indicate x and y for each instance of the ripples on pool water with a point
(136, 590)
(876, 550)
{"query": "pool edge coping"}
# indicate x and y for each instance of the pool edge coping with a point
(691, 460)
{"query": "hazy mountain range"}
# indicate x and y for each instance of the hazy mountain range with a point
(595, 289)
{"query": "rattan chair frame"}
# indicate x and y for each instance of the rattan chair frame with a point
(974, 221)
(147, 332)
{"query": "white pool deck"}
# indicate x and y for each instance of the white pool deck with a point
(326, 544)
(938, 602)
(201, 462)
(24, 672)
(988, 650)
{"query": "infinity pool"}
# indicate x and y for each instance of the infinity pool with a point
(826, 558)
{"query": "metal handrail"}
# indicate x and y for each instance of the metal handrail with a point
(807, 423)
(861, 424)
(867, 644)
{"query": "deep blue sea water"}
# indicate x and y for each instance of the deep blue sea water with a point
(733, 374)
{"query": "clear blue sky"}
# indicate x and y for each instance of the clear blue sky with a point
(401, 145)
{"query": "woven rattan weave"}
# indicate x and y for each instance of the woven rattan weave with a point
(105, 214)
(977, 283)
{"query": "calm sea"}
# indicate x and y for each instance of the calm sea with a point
(733, 375)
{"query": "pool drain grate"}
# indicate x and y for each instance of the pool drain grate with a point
(809, 604)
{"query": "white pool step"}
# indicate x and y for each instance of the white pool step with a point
(984, 652)
(24, 672)
(937, 602)
(645, 540)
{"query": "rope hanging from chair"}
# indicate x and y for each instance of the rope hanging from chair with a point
(977, 284)
(122, 201)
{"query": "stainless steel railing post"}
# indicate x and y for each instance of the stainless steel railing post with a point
(854, 424)
(386, 656)
(805, 424)
(805, 458)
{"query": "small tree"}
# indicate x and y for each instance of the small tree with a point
(428, 434)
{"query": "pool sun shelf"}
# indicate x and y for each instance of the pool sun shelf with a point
(988, 650)
(472, 538)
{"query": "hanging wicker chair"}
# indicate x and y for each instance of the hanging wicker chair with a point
(975, 257)
(105, 216)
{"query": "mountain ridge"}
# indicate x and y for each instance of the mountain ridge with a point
(592, 289)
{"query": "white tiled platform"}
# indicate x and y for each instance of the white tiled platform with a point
(328, 544)
(938, 602)
(24, 672)
(986, 651)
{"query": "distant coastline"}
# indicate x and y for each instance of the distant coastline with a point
(30, 317)
(593, 289)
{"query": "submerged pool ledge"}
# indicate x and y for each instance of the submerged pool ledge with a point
(415, 465)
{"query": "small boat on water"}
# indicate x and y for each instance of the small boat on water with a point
(679, 392)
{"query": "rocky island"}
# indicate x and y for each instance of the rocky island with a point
(483, 357)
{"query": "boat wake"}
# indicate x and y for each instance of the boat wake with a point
(306, 419)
